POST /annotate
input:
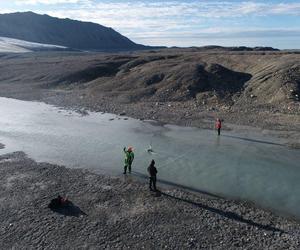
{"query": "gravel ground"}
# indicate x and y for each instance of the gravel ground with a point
(120, 213)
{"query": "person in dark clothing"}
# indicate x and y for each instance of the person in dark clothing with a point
(219, 126)
(58, 202)
(152, 171)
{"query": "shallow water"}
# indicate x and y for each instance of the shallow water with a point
(242, 166)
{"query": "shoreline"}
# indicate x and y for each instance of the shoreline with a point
(288, 132)
(116, 212)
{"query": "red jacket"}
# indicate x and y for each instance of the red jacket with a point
(218, 124)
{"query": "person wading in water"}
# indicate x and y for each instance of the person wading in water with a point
(129, 156)
(152, 176)
(219, 125)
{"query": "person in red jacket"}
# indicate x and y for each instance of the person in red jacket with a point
(219, 126)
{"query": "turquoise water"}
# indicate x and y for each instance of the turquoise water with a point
(241, 166)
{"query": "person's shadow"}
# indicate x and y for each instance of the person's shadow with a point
(156, 193)
(253, 140)
(227, 214)
(68, 209)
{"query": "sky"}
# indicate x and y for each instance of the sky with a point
(182, 23)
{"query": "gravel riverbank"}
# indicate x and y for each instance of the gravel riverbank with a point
(120, 213)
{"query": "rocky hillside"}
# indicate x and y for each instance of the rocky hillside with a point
(45, 29)
(232, 78)
(174, 86)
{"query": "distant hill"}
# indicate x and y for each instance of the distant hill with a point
(238, 48)
(45, 29)
(217, 48)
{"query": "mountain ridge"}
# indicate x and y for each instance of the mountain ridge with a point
(46, 29)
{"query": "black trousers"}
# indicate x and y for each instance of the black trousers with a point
(219, 131)
(129, 168)
(152, 181)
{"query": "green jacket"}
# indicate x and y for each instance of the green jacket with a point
(129, 156)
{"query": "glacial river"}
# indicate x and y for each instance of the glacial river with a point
(250, 167)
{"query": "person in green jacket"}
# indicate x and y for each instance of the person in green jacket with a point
(129, 156)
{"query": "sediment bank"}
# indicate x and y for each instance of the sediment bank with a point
(116, 212)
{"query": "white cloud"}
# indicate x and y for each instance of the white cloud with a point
(5, 11)
(224, 8)
(166, 16)
(293, 9)
(49, 2)
(140, 20)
